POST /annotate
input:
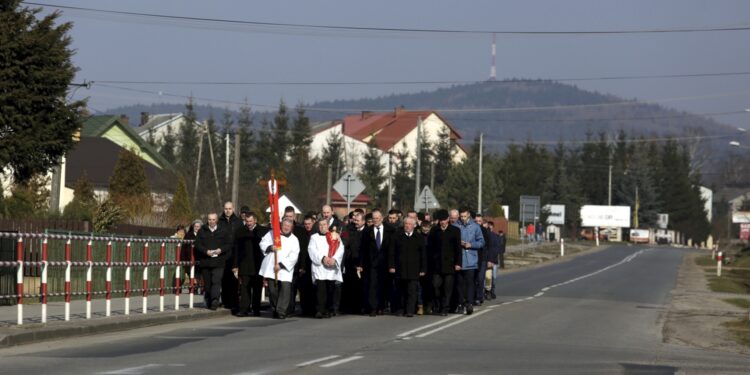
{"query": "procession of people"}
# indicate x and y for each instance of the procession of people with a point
(364, 263)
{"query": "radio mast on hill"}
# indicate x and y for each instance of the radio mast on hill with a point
(493, 73)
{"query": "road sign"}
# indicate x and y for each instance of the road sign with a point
(349, 186)
(529, 209)
(427, 200)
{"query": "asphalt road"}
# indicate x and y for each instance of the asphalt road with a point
(597, 313)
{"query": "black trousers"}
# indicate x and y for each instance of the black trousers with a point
(479, 281)
(278, 295)
(212, 284)
(351, 293)
(408, 295)
(292, 305)
(307, 297)
(229, 289)
(329, 296)
(250, 292)
(375, 289)
(442, 285)
(466, 280)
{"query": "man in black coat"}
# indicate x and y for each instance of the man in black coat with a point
(482, 264)
(351, 293)
(407, 260)
(229, 283)
(307, 296)
(373, 263)
(444, 253)
(247, 259)
(213, 246)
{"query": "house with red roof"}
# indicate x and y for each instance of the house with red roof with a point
(393, 132)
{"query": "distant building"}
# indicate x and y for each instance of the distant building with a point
(394, 132)
(159, 125)
(102, 138)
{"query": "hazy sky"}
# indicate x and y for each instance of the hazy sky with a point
(138, 48)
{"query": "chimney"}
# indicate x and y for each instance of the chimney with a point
(398, 110)
(366, 114)
(124, 119)
(144, 118)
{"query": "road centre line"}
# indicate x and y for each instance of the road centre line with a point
(465, 318)
(343, 360)
(314, 361)
(407, 333)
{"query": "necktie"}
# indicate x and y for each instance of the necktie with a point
(378, 240)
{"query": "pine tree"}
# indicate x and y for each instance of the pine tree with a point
(107, 215)
(180, 211)
(168, 147)
(332, 153)
(37, 123)
(128, 185)
(563, 187)
(305, 180)
(83, 205)
(281, 139)
(403, 181)
(189, 137)
(371, 174)
(28, 199)
(443, 157)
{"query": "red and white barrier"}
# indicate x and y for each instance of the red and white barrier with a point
(19, 279)
(108, 281)
(45, 266)
(177, 277)
(68, 265)
(83, 287)
(89, 270)
(127, 278)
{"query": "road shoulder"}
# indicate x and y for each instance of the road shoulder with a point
(696, 314)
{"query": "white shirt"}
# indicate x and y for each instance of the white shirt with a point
(287, 256)
(318, 249)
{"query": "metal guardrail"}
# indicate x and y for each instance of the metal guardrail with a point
(67, 266)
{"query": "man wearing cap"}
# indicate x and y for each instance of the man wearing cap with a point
(444, 253)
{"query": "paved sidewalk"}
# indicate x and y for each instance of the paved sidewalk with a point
(56, 327)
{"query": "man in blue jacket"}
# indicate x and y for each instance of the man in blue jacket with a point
(471, 241)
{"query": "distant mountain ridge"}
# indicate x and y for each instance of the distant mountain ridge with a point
(505, 111)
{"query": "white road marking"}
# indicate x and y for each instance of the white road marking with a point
(407, 333)
(343, 360)
(138, 370)
(465, 318)
(539, 294)
(308, 363)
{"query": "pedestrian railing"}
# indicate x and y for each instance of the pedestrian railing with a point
(68, 267)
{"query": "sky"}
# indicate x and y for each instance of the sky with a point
(116, 48)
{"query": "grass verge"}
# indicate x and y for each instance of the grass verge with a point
(739, 302)
(741, 330)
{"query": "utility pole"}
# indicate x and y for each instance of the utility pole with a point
(419, 162)
(609, 185)
(226, 163)
(236, 171)
(328, 186)
(432, 176)
(479, 190)
(198, 168)
(213, 165)
(390, 180)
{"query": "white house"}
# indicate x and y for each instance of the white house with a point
(160, 125)
(393, 132)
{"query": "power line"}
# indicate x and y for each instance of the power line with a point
(299, 26)
(442, 110)
(436, 82)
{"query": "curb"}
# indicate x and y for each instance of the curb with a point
(38, 332)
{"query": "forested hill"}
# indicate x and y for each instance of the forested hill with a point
(500, 109)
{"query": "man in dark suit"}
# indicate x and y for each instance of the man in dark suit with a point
(229, 283)
(373, 263)
(351, 293)
(247, 262)
(444, 253)
(407, 260)
(326, 212)
(213, 246)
